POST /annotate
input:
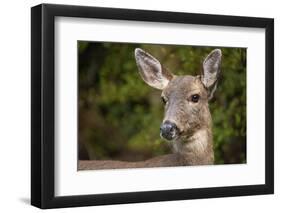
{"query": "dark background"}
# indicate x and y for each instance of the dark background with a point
(120, 116)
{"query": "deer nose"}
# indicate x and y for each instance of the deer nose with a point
(168, 130)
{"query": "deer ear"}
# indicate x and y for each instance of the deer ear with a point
(151, 70)
(211, 71)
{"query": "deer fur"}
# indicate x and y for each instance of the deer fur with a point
(187, 123)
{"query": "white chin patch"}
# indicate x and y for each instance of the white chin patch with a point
(173, 134)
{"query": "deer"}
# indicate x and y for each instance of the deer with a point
(187, 122)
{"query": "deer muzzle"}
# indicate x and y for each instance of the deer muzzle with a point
(169, 130)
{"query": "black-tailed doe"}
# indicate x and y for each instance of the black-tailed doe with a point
(187, 123)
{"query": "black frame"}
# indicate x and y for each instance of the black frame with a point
(42, 105)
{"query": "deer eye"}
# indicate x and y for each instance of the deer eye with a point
(195, 98)
(164, 100)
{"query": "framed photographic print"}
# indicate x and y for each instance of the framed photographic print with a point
(139, 106)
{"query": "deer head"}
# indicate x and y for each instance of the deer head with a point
(185, 97)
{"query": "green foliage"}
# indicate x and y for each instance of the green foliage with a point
(119, 115)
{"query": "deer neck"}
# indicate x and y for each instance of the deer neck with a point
(196, 148)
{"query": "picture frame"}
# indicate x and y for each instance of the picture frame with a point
(43, 115)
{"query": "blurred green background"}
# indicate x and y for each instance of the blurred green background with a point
(120, 116)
